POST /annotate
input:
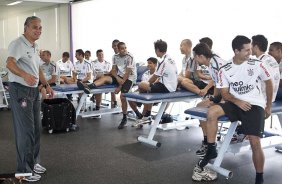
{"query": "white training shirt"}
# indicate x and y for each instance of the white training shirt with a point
(49, 69)
(212, 70)
(123, 62)
(167, 71)
(215, 64)
(146, 76)
(66, 68)
(188, 64)
(273, 68)
(280, 69)
(82, 69)
(27, 59)
(243, 80)
(205, 71)
(100, 68)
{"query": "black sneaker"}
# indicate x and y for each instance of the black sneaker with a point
(211, 154)
(83, 87)
(92, 98)
(122, 123)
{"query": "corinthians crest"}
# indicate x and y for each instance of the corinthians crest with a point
(251, 72)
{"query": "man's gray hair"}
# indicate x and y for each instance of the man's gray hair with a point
(28, 20)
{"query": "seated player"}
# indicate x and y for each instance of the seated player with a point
(123, 74)
(146, 114)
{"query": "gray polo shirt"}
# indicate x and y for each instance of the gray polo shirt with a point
(27, 59)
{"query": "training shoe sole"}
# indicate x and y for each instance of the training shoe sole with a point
(205, 175)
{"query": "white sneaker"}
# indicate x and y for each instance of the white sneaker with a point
(33, 178)
(142, 121)
(203, 175)
(39, 169)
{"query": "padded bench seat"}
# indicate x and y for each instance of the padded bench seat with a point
(159, 97)
(201, 112)
(73, 87)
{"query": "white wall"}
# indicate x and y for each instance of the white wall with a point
(141, 22)
(55, 30)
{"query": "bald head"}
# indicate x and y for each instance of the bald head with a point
(186, 46)
(188, 42)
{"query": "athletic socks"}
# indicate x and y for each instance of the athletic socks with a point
(259, 178)
(138, 114)
(147, 113)
(211, 154)
(205, 140)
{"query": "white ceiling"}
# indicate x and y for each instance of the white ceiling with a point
(25, 6)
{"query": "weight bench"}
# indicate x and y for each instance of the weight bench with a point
(163, 98)
(201, 114)
(65, 89)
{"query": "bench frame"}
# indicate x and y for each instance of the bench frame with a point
(149, 140)
(216, 166)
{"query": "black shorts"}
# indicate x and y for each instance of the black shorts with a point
(127, 85)
(158, 87)
(252, 120)
(201, 85)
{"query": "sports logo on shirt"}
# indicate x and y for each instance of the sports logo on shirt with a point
(241, 88)
(251, 72)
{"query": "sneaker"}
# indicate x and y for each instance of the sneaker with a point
(211, 154)
(142, 121)
(92, 98)
(95, 109)
(203, 175)
(122, 123)
(39, 169)
(74, 127)
(202, 151)
(83, 87)
(35, 177)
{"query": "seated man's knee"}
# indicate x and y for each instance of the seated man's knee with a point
(205, 103)
(214, 112)
(180, 79)
(144, 86)
(186, 82)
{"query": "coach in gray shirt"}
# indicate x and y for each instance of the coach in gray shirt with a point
(24, 74)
